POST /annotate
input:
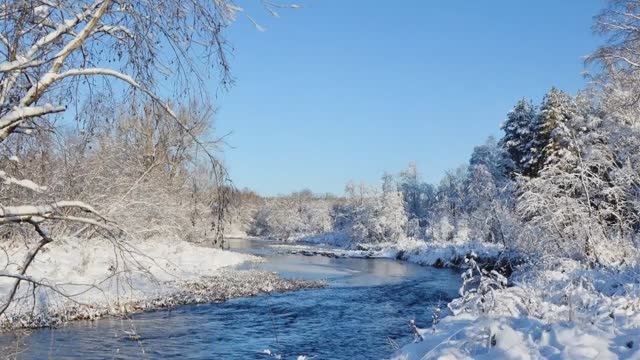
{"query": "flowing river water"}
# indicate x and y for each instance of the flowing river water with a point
(361, 315)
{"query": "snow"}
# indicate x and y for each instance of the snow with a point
(470, 337)
(160, 273)
(570, 312)
(25, 183)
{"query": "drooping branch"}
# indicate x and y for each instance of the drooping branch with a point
(39, 88)
(18, 62)
(23, 113)
(27, 59)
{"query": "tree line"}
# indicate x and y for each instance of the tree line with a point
(563, 180)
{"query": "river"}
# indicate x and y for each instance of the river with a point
(364, 310)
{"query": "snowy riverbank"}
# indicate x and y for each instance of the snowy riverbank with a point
(88, 279)
(569, 312)
(548, 308)
(439, 254)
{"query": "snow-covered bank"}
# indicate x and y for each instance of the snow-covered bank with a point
(440, 254)
(568, 312)
(469, 337)
(88, 279)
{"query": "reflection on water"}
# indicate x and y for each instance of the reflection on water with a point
(339, 271)
(368, 303)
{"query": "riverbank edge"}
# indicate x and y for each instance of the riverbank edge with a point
(439, 255)
(227, 284)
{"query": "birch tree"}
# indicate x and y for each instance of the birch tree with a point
(56, 54)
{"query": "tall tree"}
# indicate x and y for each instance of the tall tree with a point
(619, 57)
(617, 61)
(557, 111)
(519, 139)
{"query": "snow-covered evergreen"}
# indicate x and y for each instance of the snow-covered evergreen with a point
(520, 139)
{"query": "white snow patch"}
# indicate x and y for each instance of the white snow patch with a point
(568, 312)
(91, 271)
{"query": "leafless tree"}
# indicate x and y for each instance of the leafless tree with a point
(620, 21)
(61, 53)
(617, 61)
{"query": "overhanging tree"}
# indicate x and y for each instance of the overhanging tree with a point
(58, 53)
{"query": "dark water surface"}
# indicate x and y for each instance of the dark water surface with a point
(368, 302)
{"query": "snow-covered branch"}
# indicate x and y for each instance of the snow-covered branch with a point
(24, 183)
(36, 91)
(24, 113)
(23, 213)
(26, 59)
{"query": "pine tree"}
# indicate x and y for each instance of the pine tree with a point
(519, 139)
(554, 126)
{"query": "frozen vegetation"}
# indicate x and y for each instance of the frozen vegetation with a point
(566, 311)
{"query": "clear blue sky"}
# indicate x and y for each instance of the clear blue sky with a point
(347, 89)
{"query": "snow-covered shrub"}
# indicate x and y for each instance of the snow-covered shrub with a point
(419, 198)
(478, 293)
(373, 217)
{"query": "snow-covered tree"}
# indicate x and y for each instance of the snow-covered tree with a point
(557, 111)
(496, 160)
(293, 216)
(419, 197)
(617, 61)
(374, 217)
(480, 188)
(451, 194)
(520, 140)
(618, 57)
(581, 202)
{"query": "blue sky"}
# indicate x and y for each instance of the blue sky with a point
(345, 90)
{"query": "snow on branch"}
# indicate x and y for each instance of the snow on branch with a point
(37, 89)
(65, 27)
(38, 213)
(23, 113)
(25, 183)
(115, 30)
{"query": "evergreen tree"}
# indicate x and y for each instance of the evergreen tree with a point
(554, 125)
(519, 139)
